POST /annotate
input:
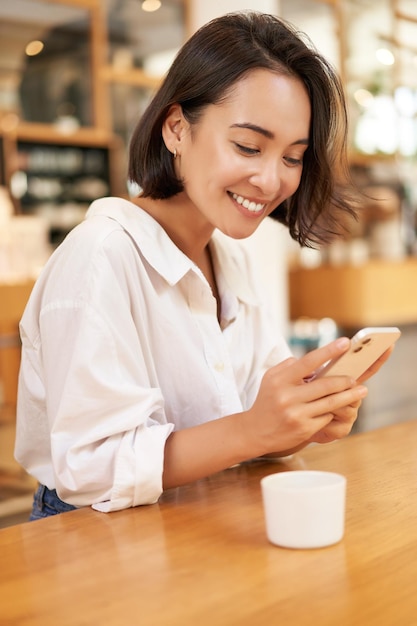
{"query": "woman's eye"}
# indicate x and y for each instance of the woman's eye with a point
(246, 149)
(293, 161)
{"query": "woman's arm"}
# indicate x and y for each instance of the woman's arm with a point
(286, 415)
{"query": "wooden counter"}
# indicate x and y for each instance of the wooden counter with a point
(375, 294)
(13, 298)
(201, 555)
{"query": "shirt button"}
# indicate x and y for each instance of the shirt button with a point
(219, 367)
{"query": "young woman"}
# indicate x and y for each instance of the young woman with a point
(148, 358)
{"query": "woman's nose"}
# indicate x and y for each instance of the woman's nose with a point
(268, 178)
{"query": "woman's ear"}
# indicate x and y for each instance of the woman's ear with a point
(173, 129)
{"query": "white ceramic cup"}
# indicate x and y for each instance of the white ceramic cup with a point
(305, 508)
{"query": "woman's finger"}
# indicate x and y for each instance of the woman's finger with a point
(334, 402)
(300, 369)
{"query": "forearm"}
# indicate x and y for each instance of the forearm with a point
(200, 451)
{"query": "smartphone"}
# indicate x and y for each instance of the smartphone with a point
(365, 348)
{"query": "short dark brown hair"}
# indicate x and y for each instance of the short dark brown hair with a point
(208, 65)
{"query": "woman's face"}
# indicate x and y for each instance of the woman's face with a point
(245, 156)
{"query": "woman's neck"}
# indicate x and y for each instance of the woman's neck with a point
(187, 228)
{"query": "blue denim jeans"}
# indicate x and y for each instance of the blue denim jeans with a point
(47, 503)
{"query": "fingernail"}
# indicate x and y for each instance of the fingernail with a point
(363, 391)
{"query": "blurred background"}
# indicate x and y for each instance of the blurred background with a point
(75, 76)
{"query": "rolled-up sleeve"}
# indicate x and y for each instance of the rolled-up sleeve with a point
(107, 420)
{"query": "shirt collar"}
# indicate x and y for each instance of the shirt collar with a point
(229, 257)
(149, 236)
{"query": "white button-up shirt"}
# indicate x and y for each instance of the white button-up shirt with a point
(121, 345)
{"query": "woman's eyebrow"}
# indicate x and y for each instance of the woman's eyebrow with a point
(255, 128)
(266, 133)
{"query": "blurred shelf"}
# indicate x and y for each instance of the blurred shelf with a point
(375, 294)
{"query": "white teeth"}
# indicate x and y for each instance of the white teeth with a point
(251, 206)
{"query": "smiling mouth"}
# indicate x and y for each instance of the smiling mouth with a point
(253, 207)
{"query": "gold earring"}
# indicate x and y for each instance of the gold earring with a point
(175, 153)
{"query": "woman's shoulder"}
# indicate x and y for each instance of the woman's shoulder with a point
(105, 219)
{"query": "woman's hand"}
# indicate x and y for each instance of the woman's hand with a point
(340, 425)
(289, 412)
(345, 417)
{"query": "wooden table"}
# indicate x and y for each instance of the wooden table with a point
(200, 556)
